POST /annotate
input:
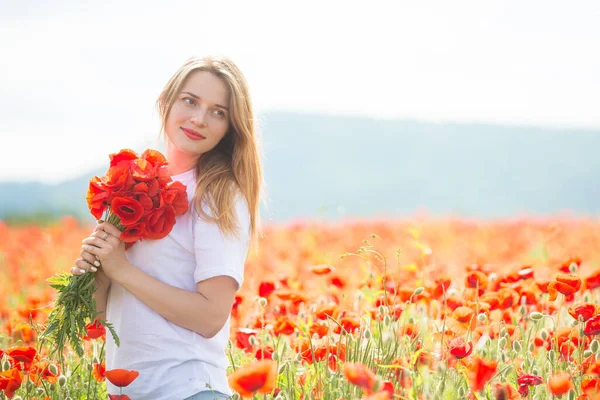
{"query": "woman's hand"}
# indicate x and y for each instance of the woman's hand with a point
(102, 251)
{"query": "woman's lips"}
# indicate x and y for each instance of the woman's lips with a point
(192, 134)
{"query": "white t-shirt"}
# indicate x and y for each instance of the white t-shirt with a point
(175, 363)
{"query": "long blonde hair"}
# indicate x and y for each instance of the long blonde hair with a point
(234, 164)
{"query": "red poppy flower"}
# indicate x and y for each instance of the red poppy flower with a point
(259, 376)
(266, 288)
(159, 222)
(321, 269)
(127, 209)
(360, 375)
(567, 284)
(529, 379)
(480, 372)
(585, 310)
(592, 326)
(123, 157)
(118, 397)
(459, 348)
(560, 384)
(121, 377)
(593, 281)
(95, 330)
(10, 381)
(99, 371)
(25, 355)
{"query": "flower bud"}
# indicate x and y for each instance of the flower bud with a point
(594, 346)
(252, 340)
(381, 310)
(481, 317)
(367, 334)
(531, 347)
(587, 353)
(572, 392)
(502, 332)
(298, 358)
(53, 369)
(411, 320)
(573, 268)
(62, 380)
(461, 392)
(95, 361)
(282, 367)
(502, 342)
(262, 301)
(419, 290)
(275, 356)
(517, 346)
(536, 316)
(544, 334)
(522, 310)
(387, 320)
(5, 365)
(552, 355)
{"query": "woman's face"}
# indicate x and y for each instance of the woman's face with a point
(199, 117)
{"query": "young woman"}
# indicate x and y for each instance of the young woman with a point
(170, 299)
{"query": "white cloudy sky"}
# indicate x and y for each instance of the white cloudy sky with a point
(78, 79)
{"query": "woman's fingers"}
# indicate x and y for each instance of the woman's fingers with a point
(90, 258)
(82, 266)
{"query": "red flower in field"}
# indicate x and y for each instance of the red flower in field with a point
(409, 329)
(480, 372)
(258, 376)
(321, 269)
(591, 386)
(338, 281)
(529, 380)
(283, 326)
(463, 314)
(476, 279)
(585, 310)
(566, 266)
(10, 381)
(567, 284)
(360, 375)
(459, 348)
(242, 338)
(95, 330)
(593, 281)
(592, 326)
(26, 355)
(264, 353)
(560, 383)
(504, 391)
(266, 288)
(118, 397)
(99, 371)
(121, 377)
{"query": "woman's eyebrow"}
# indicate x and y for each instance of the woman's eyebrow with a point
(198, 97)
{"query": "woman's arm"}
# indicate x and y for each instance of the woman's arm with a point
(204, 311)
(102, 284)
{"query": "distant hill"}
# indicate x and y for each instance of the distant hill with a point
(328, 167)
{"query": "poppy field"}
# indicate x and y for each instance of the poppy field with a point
(401, 309)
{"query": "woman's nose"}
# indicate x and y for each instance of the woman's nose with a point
(199, 118)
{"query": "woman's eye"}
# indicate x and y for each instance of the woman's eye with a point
(220, 113)
(191, 101)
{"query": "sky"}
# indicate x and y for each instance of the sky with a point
(79, 79)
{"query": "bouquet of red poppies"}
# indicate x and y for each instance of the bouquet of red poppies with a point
(138, 196)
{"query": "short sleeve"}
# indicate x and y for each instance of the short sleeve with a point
(217, 254)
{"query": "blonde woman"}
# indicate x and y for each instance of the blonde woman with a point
(170, 299)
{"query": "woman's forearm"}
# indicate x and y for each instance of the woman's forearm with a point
(101, 297)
